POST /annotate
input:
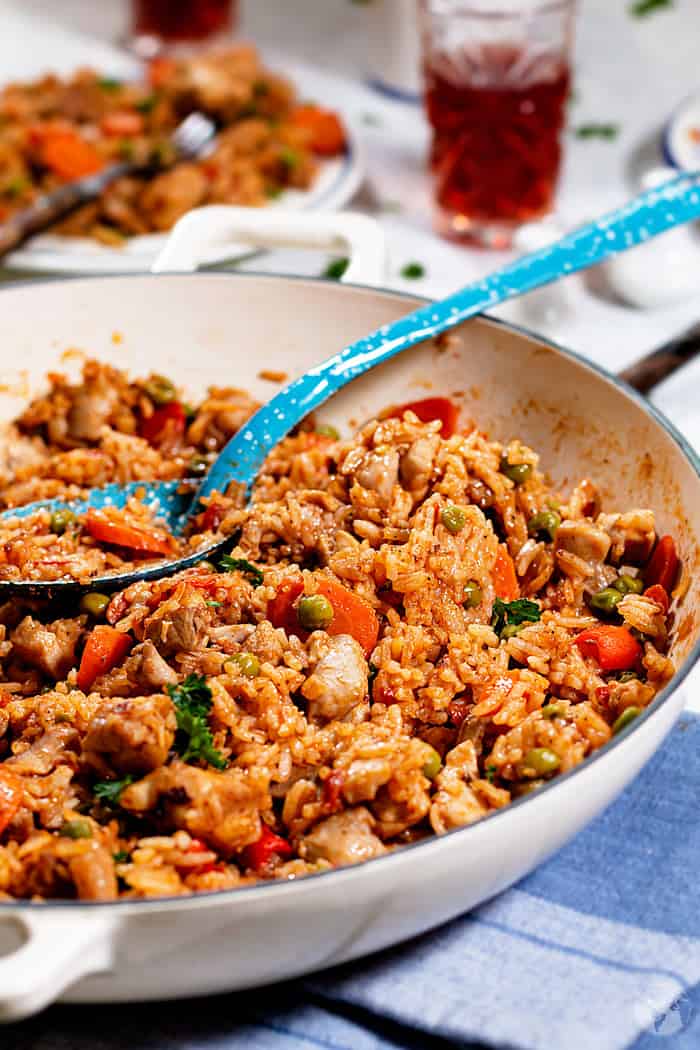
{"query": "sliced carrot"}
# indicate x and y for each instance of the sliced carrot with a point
(11, 796)
(663, 565)
(105, 648)
(658, 594)
(326, 131)
(160, 71)
(351, 614)
(105, 530)
(429, 409)
(122, 124)
(613, 648)
(169, 417)
(505, 580)
(69, 156)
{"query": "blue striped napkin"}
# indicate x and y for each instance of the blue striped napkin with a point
(599, 948)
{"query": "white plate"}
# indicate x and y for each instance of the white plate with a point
(29, 48)
(681, 135)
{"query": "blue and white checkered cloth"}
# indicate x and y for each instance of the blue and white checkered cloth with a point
(597, 950)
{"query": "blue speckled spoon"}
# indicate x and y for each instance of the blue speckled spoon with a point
(646, 216)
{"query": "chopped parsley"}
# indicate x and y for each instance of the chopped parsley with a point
(147, 104)
(642, 8)
(194, 741)
(597, 131)
(252, 572)
(108, 791)
(122, 856)
(109, 84)
(373, 672)
(15, 187)
(335, 269)
(290, 158)
(413, 271)
(490, 773)
(513, 614)
(213, 604)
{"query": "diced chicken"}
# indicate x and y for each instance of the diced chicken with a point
(344, 838)
(131, 735)
(93, 874)
(58, 745)
(379, 471)
(339, 681)
(417, 464)
(584, 540)
(48, 647)
(152, 669)
(173, 193)
(221, 808)
(179, 624)
(92, 406)
(455, 803)
(633, 535)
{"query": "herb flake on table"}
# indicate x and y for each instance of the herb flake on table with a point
(413, 271)
(597, 131)
(642, 8)
(335, 269)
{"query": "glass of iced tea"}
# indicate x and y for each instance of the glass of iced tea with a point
(496, 76)
(160, 24)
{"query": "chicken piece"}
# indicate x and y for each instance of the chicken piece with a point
(379, 472)
(223, 809)
(633, 535)
(58, 745)
(339, 680)
(93, 874)
(152, 670)
(584, 540)
(92, 405)
(170, 195)
(130, 735)
(221, 414)
(344, 838)
(416, 465)
(181, 623)
(19, 452)
(48, 647)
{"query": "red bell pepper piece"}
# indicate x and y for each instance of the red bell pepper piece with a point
(430, 408)
(171, 415)
(658, 594)
(259, 855)
(662, 567)
(614, 648)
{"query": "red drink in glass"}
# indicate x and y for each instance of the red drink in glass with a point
(496, 86)
(182, 21)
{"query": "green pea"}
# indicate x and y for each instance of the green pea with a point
(472, 595)
(606, 601)
(247, 664)
(553, 710)
(511, 629)
(314, 612)
(329, 431)
(541, 760)
(545, 521)
(95, 604)
(207, 566)
(197, 467)
(517, 472)
(432, 765)
(61, 519)
(160, 390)
(76, 829)
(453, 518)
(626, 718)
(629, 584)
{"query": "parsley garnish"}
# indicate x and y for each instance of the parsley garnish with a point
(373, 672)
(490, 773)
(597, 131)
(108, 791)
(252, 572)
(413, 271)
(290, 158)
(506, 614)
(192, 700)
(335, 269)
(213, 604)
(122, 856)
(109, 84)
(145, 105)
(642, 8)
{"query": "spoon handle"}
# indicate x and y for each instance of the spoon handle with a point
(645, 216)
(650, 370)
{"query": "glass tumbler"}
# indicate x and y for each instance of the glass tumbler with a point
(496, 79)
(167, 24)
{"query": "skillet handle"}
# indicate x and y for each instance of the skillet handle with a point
(218, 226)
(59, 947)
